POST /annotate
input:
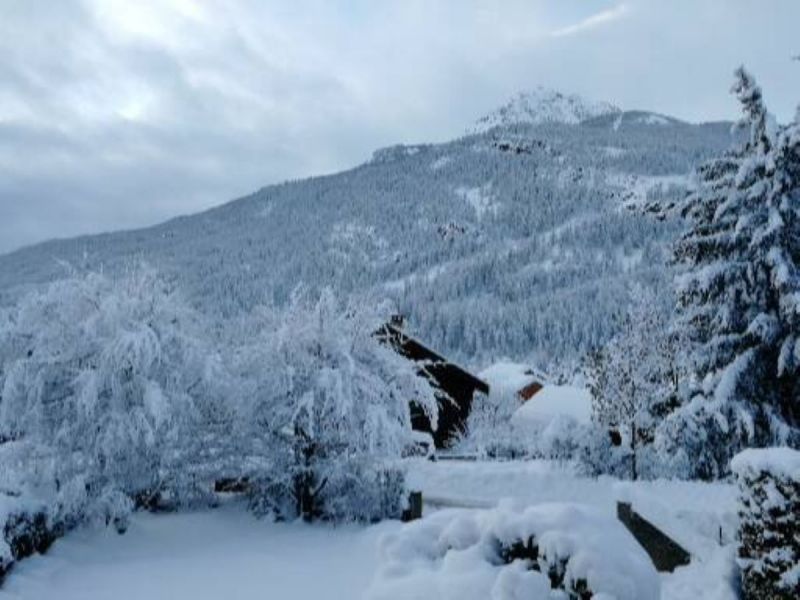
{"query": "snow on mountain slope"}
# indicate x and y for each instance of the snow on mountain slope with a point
(511, 242)
(542, 105)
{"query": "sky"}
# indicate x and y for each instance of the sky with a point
(117, 114)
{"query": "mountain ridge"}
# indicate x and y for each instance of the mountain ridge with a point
(543, 105)
(512, 242)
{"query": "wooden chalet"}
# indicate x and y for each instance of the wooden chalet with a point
(455, 386)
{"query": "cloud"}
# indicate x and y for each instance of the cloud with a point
(118, 114)
(596, 20)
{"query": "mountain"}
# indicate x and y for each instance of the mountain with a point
(517, 241)
(542, 105)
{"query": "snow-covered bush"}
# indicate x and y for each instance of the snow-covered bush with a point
(597, 455)
(334, 412)
(505, 553)
(769, 530)
(491, 430)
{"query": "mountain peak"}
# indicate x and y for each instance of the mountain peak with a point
(543, 105)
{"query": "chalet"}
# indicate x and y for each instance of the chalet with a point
(455, 386)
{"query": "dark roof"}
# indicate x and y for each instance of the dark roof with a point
(415, 350)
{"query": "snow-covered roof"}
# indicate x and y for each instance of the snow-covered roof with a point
(557, 400)
(507, 376)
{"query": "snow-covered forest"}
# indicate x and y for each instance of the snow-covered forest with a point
(237, 352)
(514, 242)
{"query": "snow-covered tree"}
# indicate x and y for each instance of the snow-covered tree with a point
(336, 413)
(491, 430)
(101, 382)
(628, 378)
(739, 296)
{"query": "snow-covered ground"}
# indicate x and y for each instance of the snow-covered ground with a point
(221, 554)
(227, 553)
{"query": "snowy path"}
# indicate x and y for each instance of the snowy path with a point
(225, 553)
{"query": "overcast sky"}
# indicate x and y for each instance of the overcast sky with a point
(117, 114)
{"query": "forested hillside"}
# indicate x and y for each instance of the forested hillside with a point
(521, 240)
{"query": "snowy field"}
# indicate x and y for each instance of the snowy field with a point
(227, 553)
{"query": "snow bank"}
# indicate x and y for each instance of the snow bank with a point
(506, 554)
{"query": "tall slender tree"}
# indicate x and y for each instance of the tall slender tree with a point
(629, 377)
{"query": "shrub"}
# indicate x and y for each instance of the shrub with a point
(769, 531)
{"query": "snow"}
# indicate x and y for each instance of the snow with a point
(225, 553)
(557, 401)
(613, 151)
(457, 553)
(441, 162)
(228, 553)
(542, 105)
(480, 199)
(509, 377)
(506, 378)
(695, 514)
(653, 119)
(781, 462)
(636, 188)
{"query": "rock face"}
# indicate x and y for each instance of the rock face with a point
(769, 515)
(542, 105)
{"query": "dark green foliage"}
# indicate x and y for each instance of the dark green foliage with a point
(554, 567)
(27, 534)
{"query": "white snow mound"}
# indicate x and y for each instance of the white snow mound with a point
(783, 462)
(557, 401)
(459, 554)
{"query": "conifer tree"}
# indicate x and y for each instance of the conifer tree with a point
(738, 293)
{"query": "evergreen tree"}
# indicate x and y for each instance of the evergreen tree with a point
(738, 293)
